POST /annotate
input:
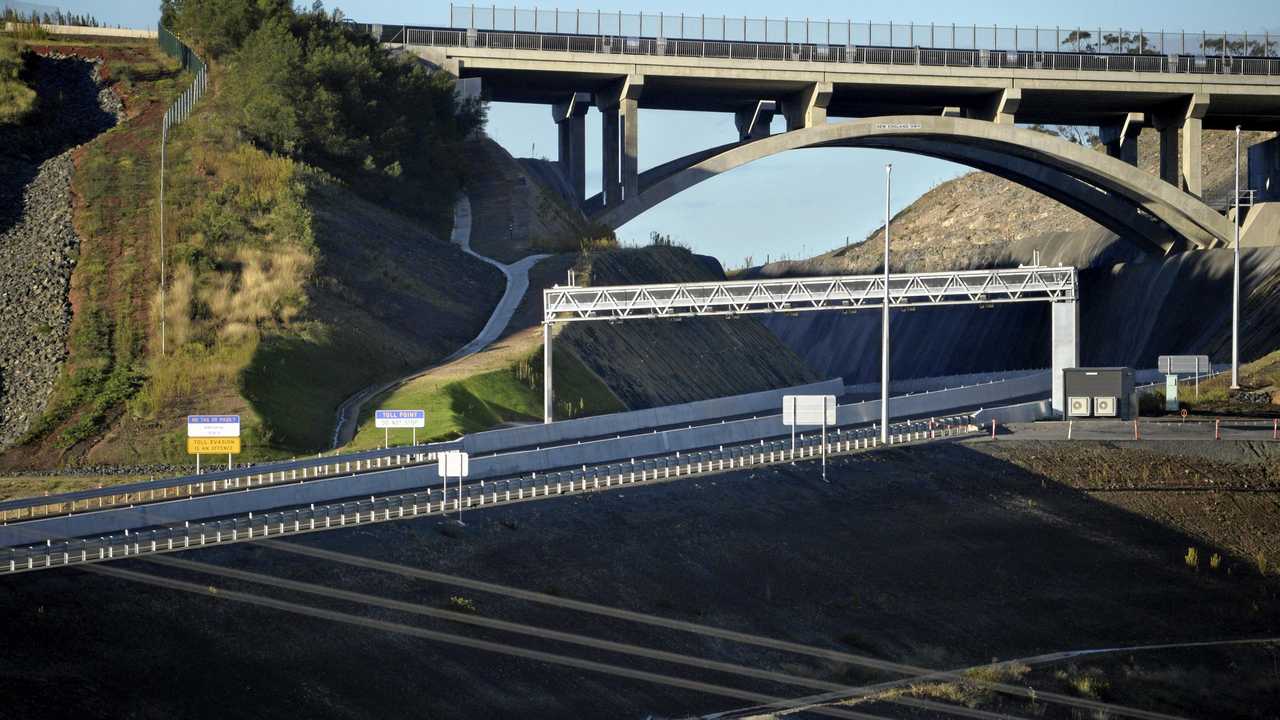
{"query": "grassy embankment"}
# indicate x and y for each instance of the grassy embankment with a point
(501, 385)
(1215, 398)
(16, 97)
(270, 311)
(113, 191)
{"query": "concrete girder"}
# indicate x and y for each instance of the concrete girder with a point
(1187, 216)
(1121, 137)
(753, 121)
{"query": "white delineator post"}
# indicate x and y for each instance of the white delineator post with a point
(1235, 282)
(884, 321)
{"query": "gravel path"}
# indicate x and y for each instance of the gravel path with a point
(517, 275)
(38, 244)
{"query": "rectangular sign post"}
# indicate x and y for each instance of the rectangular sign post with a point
(213, 434)
(1185, 365)
(387, 419)
(809, 410)
(453, 463)
(1171, 393)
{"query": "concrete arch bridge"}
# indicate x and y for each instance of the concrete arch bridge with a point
(1116, 194)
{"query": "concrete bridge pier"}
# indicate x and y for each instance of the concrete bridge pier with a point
(808, 107)
(620, 129)
(754, 120)
(1180, 152)
(1121, 138)
(571, 124)
(1065, 347)
(1000, 108)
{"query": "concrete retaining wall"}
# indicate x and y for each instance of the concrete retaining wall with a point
(943, 382)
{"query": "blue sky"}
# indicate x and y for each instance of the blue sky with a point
(798, 203)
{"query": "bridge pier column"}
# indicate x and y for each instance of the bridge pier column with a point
(808, 107)
(610, 188)
(1121, 138)
(1000, 108)
(1264, 169)
(1065, 347)
(570, 118)
(629, 118)
(753, 121)
(1180, 151)
(620, 114)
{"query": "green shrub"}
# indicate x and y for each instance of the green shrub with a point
(16, 98)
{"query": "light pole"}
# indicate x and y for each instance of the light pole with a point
(1235, 282)
(884, 320)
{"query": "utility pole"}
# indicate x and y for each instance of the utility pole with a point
(884, 320)
(1235, 282)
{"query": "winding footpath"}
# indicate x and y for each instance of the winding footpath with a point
(517, 275)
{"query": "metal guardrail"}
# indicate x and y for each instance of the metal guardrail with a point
(199, 485)
(1025, 59)
(786, 31)
(354, 513)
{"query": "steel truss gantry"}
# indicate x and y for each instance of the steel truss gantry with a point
(794, 295)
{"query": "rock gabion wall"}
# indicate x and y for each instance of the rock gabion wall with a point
(38, 243)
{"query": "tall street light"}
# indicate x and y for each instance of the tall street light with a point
(884, 321)
(1235, 282)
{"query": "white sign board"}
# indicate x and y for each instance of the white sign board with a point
(1171, 393)
(1183, 364)
(453, 463)
(808, 410)
(399, 418)
(213, 426)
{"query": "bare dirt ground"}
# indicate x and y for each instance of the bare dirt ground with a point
(946, 556)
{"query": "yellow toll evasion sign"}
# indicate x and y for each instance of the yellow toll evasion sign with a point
(213, 445)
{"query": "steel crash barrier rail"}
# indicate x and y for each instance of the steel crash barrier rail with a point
(842, 54)
(76, 551)
(189, 486)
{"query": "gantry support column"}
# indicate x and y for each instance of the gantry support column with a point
(571, 123)
(753, 121)
(1180, 162)
(620, 113)
(548, 398)
(807, 107)
(1121, 137)
(1065, 351)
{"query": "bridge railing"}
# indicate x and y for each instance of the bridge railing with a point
(831, 53)
(679, 26)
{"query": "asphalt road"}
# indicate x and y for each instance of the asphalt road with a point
(1192, 429)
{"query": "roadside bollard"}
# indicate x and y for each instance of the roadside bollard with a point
(1217, 429)
(1275, 429)
(1136, 434)
(993, 428)
(1069, 425)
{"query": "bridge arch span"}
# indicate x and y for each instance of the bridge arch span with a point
(1117, 195)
